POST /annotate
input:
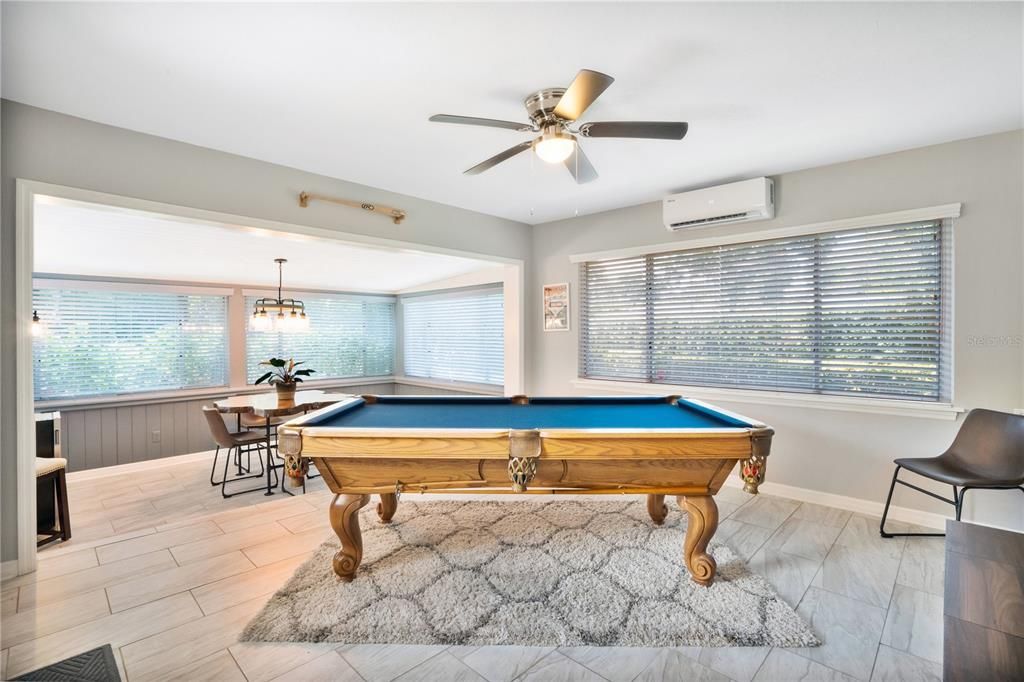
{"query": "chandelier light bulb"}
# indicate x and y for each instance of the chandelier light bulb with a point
(287, 317)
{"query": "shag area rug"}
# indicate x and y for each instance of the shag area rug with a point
(559, 573)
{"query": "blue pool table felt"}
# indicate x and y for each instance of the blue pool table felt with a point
(541, 413)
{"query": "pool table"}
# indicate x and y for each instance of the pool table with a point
(653, 446)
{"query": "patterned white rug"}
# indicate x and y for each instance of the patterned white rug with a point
(559, 573)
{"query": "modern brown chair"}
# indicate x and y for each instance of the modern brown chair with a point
(987, 454)
(239, 443)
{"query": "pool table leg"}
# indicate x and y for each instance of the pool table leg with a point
(387, 507)
(656, 508)
(702, 515)
(345, 522)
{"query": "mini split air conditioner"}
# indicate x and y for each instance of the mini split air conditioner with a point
(737, 202)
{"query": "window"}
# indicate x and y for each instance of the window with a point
(853, 312)
(107, 342)
(348, 336)
(455, 336)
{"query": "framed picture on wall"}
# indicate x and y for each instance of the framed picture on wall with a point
(556, 307)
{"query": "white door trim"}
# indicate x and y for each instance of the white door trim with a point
(24, 420)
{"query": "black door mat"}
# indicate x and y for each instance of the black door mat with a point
(97, 665)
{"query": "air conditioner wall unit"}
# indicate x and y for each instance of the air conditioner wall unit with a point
(736, 202)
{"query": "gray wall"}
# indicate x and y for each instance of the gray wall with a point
(94, 437)
(840, 452)
(43, 145)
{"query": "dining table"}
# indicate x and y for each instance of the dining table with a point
(269, 406)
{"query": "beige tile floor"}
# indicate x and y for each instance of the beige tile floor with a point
(168, 573)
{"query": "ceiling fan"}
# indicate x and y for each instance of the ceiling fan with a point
(552, 112)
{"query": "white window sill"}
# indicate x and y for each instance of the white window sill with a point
(129, 399)
(903, 408)
(485, 389)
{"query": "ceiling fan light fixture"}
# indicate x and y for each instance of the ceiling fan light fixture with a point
(551, 111)
(555, 146)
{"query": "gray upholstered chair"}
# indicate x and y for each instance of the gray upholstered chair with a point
(238, 444)
(987, 454)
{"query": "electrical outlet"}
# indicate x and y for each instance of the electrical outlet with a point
(155, 436)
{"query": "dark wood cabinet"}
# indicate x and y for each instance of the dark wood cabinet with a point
(984, 603)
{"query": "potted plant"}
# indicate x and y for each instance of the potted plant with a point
(283, 376)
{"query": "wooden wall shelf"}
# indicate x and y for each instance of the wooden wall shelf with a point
(397, 215)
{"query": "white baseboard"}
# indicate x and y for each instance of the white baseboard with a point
(8, 569)
(854, 504)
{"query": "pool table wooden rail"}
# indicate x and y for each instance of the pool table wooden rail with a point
(553, 476)
(495, 445)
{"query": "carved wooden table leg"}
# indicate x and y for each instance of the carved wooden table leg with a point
(702, 515)
(387, 507)
(345, 522)
(656, 508)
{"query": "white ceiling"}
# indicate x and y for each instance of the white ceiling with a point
(76, 238)
(345, 90)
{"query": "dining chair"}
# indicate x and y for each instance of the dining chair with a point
(987, 454)
(239, 443)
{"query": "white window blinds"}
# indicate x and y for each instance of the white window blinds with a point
(455, 337)
(100, 342)
(348, 336)
(853, 312)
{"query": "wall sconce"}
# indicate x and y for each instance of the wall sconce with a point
(38, 328)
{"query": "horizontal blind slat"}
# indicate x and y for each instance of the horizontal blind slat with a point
(348, 337)
(856, 311)
(457, 338)
(117, 342)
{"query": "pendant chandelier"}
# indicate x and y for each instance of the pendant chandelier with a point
(279, 314)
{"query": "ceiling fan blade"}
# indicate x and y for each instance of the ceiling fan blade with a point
(487, 122)
(580, 167)
(652, 130)
(585, 88)
(498, 158)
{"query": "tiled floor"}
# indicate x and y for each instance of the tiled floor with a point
(169, 573)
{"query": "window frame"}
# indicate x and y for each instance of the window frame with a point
(449, 294)
(944, 408)
(45, 281)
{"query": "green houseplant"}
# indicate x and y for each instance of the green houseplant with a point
(283, 376)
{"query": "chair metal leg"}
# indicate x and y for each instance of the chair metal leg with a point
(227, 462)
(213, 467)
(888, 500)
(224, 479)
